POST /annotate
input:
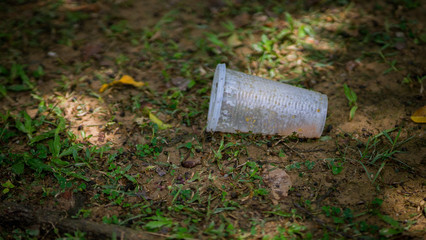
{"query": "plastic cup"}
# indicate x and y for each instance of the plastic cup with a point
(244, 103)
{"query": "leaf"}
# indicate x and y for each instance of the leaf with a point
(28, 123)
(350, 94)
(325, 138)
(18, 168)
(289, 21)
(56, 147)
(59, 162)
(218, 210)
(18, 88)
(352, 112)
(38, 165)
(419, 116)
(389, 231)
(20, 126)
(71, 150)
(338, 220)
(126, 80)
(377, 202)
(233, 40)
(156, 120)
(3, 91)
(390, 220)
(215, 40)
(78, 175)
(8, 184)
(155, 224)
(42, 136)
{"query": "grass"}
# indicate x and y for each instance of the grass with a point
(140, 182)
(352, 98)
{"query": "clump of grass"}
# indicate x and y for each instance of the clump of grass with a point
(352, 98)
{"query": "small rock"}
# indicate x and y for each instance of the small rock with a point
(400, 45)
(351, 65)
(190, 163)
(180, 82)
(52, 54)
(160, 171)
(277, 180)
(399, 34)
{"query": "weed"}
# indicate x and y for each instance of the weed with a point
(391, 64)
(7, 186)
(352, 98)
(408, 80)
(376, 153)
(157, 222)
(77, 235)
(336, 165)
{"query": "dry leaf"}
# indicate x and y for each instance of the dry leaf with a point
(156, 120)
(233, 40)
(419, 116)
(126, 79)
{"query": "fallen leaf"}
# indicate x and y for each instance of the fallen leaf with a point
(126, 79)
(278, 181)
(156, 120)
(233, 40)
(419, 116)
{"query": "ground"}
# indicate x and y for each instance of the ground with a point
(140, 158)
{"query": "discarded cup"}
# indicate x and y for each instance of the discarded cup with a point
(245, 103)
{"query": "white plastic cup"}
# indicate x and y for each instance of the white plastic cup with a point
(244, 103)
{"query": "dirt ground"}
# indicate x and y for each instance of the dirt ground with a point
(209, 185)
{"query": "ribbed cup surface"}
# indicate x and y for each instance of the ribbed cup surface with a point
(257, 105)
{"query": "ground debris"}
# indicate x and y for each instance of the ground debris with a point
(190, 163)
(278, 181)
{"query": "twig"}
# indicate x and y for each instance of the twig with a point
(25, 215)
(291, 149)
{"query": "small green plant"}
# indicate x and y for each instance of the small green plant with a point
(158, 221)
(375, 152)
(352, 98)
(295, 165)
(336, 165)
(7, 186)
(110, 220)
(408, 80)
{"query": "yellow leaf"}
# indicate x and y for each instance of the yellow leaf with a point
(126, 79)
(103, 88)
(156, 120)
(419, 116)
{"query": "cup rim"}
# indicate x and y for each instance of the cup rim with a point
(216, 97)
